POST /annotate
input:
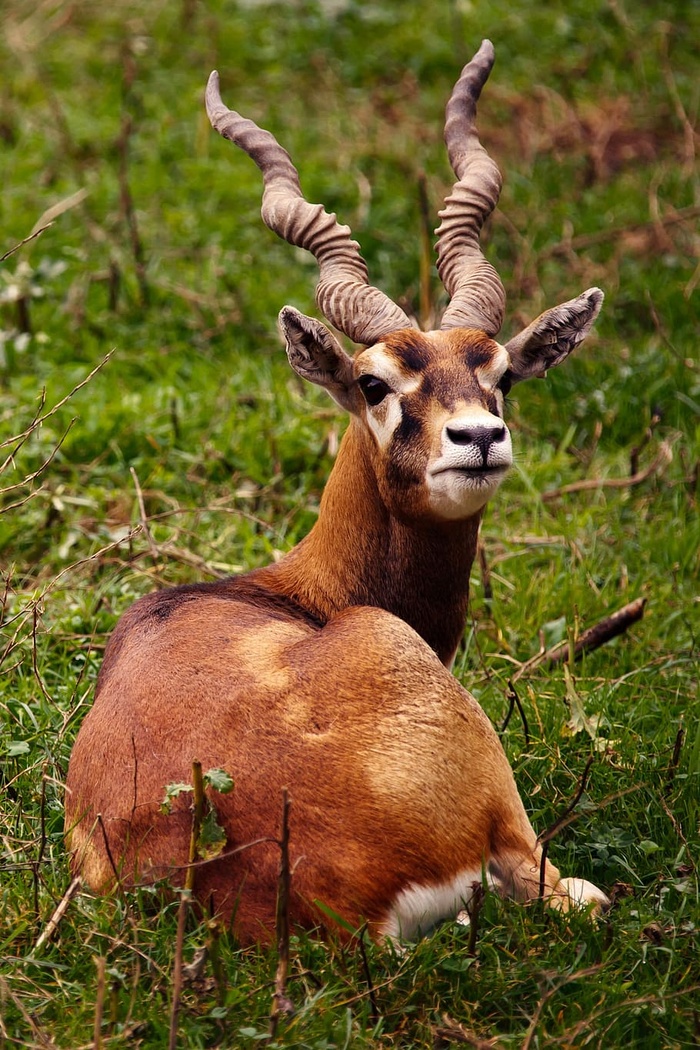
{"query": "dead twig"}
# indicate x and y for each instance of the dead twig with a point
(646, 438)
(108, 851)
(589, 971)
(185, 898)
(36, 866)
(26, 240)
(19, 439)
(689, 862)
(514, 701)
(561, 822)
(662, 460)
(40, 470)
(474, 911)
(485, 571)
(592, 638)
(600, 633)
(61, 909)
(126, 198)
(374, 1009)
(155, 554)
(41, 1037)
(451, 1031)
(591, 240)
(675, 758)
(281, 1004)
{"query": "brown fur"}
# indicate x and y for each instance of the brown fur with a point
(408, 789)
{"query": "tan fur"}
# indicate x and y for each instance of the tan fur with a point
(406, 789)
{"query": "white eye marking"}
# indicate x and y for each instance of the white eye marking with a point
(378, 362)
(384, 419)
(489, 375)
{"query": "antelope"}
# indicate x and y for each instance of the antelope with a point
(327, 674)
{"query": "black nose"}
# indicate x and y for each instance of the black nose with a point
(483, 435)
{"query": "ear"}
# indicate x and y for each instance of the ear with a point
(553, 335)
(315, 354)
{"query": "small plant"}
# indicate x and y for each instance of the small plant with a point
(209, 836)
(17, 291)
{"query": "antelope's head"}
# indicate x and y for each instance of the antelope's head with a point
(430, 403)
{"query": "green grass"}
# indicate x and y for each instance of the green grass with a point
(591, 113)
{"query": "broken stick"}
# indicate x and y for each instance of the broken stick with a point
(600, 633)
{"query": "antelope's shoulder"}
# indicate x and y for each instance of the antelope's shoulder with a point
(205, 624)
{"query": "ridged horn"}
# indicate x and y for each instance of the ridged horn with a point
(344, 294)
(477, 296)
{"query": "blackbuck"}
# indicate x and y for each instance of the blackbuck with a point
(328, 673)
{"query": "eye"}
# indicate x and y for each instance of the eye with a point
(373, 389)
(505, 383)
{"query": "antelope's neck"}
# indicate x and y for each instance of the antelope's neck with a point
(357, 553)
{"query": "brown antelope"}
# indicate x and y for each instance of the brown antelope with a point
(328, 673)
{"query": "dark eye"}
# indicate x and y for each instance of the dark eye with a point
(505, 383)
(374, 390)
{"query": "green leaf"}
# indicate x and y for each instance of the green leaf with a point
(219, 780)
(212, 837)
(171, 792)
(554, 632)
(17, 747)
(579, 719)
(338, 919)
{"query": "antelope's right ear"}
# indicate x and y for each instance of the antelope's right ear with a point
(553, 335)
(315, 354)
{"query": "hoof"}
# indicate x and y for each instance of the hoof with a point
(578, 893)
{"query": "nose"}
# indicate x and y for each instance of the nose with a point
(481, 435)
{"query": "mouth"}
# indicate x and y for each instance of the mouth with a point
(482, 472)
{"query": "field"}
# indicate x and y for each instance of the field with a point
(152, 433)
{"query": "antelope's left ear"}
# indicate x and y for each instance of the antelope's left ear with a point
(315, 354)
(553, 335)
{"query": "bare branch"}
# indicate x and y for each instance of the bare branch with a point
(663, 458)
(592, 638)
(514, 701)
(561, 822)
(185, 898)
(144, 517)
(19, 439)
(281, 1004)
(61, 909)
(26, 240)
(600, 633)
(591, 240)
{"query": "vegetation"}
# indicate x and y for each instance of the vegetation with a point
(193, 451)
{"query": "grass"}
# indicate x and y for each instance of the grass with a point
(591, 113)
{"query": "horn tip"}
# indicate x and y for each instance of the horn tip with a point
(212, 95)
(486, 52)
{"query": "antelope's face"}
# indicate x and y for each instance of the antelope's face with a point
(433, 404)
